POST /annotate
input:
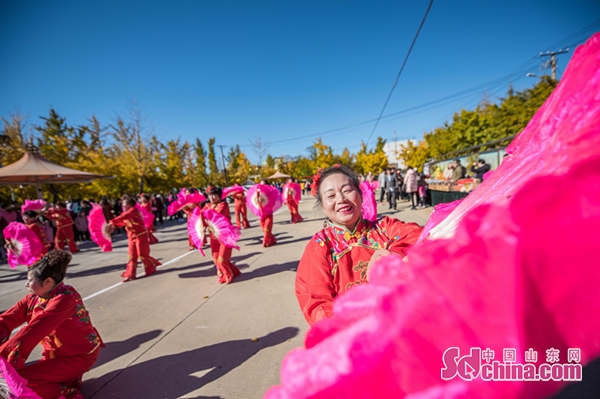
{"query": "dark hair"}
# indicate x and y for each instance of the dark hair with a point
(481, 161)
(60, 204)
(128, 200)
(30, 213)
(53, 264)
(215, 191)
(334, 170)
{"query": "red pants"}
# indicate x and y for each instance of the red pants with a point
(266, 223)
(294, 212)
(139, 246)
(65, 234)
(241, 216)
(51, 378)
(226, 270)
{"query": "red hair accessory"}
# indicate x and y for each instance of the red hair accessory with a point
(315, 184)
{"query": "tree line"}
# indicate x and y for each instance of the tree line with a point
(130, 151)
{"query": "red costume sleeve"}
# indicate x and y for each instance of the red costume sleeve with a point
(119, 221)
(314, 283)
(401, 235)
(12, 318)
(17, 349)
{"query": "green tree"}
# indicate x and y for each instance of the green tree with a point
(201, 174)
(212, 162)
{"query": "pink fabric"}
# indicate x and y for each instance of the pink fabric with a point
(562, 132)
(520, 270)
(231, 190)
(369, 204)
(271, 199)
(36, 205)
(440, 212)
(16, 384)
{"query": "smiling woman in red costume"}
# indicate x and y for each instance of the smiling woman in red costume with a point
(338, 257)
(57, 319)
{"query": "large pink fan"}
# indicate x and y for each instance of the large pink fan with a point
(146, 214)
(221, 228)
(269, 197)
(99, 228)
(296, 191)
(15, 386)
(196, 229)
(24, 246)
(374, 184)
(517, 271)
(35, 205)
(369, 206)
(232, 190)
(183, 200)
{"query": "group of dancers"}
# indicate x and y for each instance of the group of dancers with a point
(55, 314)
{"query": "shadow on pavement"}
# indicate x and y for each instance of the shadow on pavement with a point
(98, 270)
(283, 242)
(266, 270)
(173, 376)
(114, 350)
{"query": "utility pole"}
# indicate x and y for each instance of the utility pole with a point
(552, 56)
(224, 167)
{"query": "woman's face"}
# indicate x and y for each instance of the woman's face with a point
(341, 201)
(214, 199)
(37, 287)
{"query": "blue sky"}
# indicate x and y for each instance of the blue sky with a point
(287, 71)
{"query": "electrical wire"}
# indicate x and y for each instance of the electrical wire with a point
(401, 69)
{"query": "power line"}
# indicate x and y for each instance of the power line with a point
(401, 69)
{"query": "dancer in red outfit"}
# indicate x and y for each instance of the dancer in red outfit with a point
(137, 237)
(57, 319)
(290, 200)
(266, 221)
(146, 203)
(241, 212)
(338, 257)
(30, 220)
(226, 271)
(64, 226)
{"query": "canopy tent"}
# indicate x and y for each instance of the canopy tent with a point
(278, 175)
(33, 168)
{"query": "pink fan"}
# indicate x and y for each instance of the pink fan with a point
(36, 205)
(232, 190)
(369, 206)
(146, 214)
(221, 228)
(270, 199)
(196, 228)
(24, 246)
(99, 228)
(183, 200)
(296, 191)
(15, 386)
(374, 185)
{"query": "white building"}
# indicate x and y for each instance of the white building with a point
(391, 148)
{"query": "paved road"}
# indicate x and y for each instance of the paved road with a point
(180, 334)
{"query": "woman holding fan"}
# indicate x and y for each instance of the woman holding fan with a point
(221, 254)
(338, 257)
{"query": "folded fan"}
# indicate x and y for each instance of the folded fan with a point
(24, 246)
(99, 228)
